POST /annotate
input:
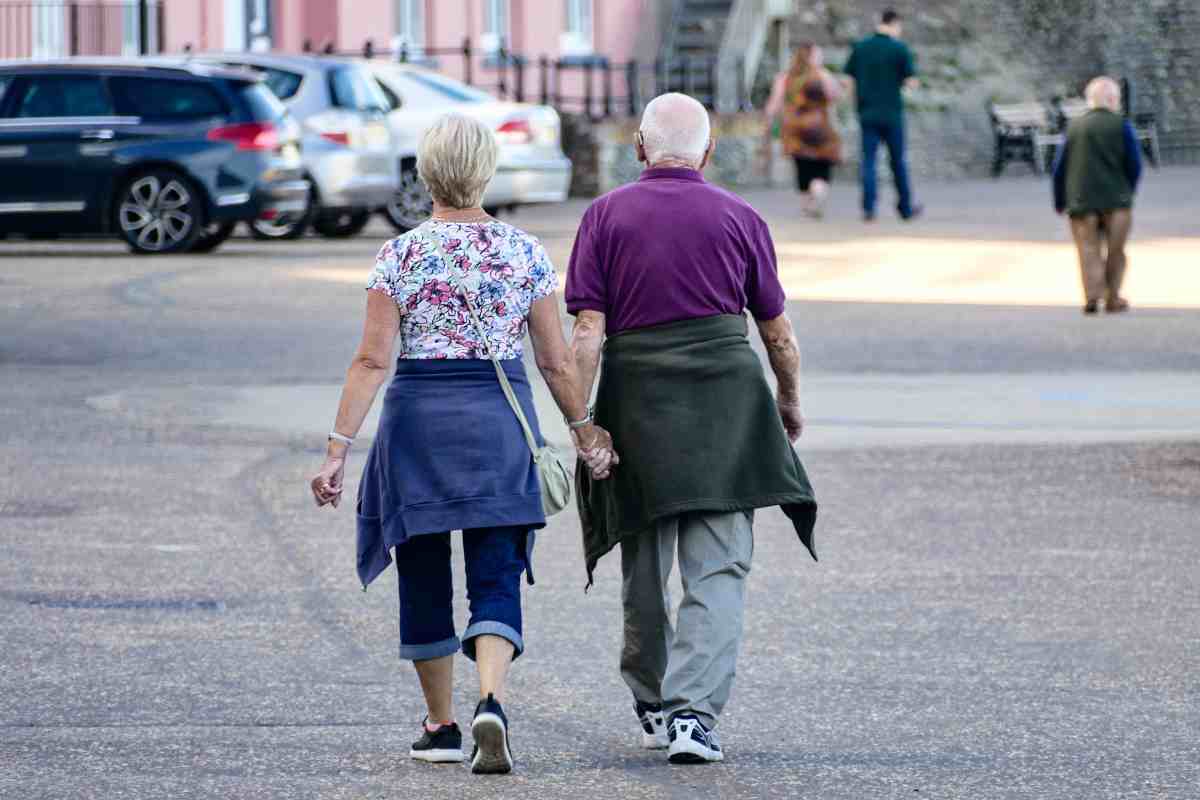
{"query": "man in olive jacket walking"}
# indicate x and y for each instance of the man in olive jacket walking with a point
(1095, 177)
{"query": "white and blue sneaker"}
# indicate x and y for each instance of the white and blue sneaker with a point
(654, 725)
(692, 743)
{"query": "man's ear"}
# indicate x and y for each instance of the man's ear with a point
(639, 144)
(708, 151)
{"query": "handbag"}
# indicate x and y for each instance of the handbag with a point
(553, 476)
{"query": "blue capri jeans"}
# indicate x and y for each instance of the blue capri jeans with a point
(495, 559)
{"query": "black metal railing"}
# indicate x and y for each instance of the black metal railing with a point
(593, 86)
(57, 28)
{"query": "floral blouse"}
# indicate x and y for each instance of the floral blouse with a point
(513, 271)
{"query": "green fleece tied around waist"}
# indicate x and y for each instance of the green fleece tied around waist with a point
(697, 429)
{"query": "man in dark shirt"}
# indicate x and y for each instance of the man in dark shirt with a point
(1095, 177)
(880, 66)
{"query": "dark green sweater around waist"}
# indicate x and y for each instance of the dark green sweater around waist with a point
(697, 429)
(1099, 164)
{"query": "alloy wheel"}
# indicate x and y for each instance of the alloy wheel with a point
(156, 214)
(411, 204)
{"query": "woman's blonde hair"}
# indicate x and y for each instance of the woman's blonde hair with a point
(456, 159)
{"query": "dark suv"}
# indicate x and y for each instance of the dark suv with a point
(170, 158)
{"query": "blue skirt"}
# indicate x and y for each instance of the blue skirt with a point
(449, 455)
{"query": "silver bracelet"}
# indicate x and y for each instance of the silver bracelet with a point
(579, 423)
(334, 436)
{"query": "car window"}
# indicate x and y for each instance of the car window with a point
(63, 96)
(283, 84)
(350, 88)
(393, 99)
(5, 80)
(448, 88)
(168, 100)
(263, 104)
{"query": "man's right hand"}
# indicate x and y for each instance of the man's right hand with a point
(793, 420)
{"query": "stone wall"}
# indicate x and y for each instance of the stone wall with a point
(969, 53)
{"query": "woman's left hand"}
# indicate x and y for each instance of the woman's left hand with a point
(327, 484)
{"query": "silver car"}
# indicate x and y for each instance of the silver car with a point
(532, 166)
(347, 143)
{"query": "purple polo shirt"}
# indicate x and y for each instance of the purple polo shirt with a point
(671, 247)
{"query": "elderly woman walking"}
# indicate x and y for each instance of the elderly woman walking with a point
(803, 98)
(454, 450)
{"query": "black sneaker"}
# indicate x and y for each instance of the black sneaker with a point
(692, 743)
(442, 746)
(492, 755)
(654, 725)
(916, 211)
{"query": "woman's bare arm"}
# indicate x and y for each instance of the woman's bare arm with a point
(367, 372)
(554, 358)
(371, 364)
(559, 369)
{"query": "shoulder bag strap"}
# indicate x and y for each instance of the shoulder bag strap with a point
(509, 394)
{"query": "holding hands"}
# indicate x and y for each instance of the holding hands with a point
(594, 445)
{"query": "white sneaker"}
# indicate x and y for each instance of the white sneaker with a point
(654, 725)
(692, 743)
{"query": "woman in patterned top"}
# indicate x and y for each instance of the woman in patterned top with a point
(450, 453)
(804, 97)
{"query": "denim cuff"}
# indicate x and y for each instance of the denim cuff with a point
(424, 652)
(495, 629)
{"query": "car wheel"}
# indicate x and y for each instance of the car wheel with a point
(411, 205)
(213, 236)
(159, 212)
(342, 225)
(290, 225)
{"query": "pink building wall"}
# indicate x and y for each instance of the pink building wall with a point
(535, 25)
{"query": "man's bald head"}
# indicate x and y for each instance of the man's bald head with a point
(675, 128)
(1103, 92)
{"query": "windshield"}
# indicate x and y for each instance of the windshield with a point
(283, 84)
(438, 87)
(263, 104)
(352, 88)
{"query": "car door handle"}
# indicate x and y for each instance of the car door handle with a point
(103, 135)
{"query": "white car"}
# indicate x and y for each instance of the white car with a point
(532, 166)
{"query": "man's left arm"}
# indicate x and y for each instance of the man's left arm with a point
(767, 301)
(783, 353)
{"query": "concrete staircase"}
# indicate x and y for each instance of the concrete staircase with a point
(692, 45)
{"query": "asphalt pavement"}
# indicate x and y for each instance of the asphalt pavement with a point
(1007, 603)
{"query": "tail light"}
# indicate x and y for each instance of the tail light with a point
(337, 137)
(248, 135)
(337, 126)
(515, 131)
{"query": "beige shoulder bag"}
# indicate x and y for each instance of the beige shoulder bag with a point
(552, 474)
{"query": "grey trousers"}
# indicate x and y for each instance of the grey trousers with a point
(688, 668)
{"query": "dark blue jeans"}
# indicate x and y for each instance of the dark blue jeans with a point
(893, 137)
(495, 559)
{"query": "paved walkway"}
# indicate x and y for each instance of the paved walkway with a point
(1006, 604)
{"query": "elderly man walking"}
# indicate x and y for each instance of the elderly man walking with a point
(666, 268)
(1095, 177)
